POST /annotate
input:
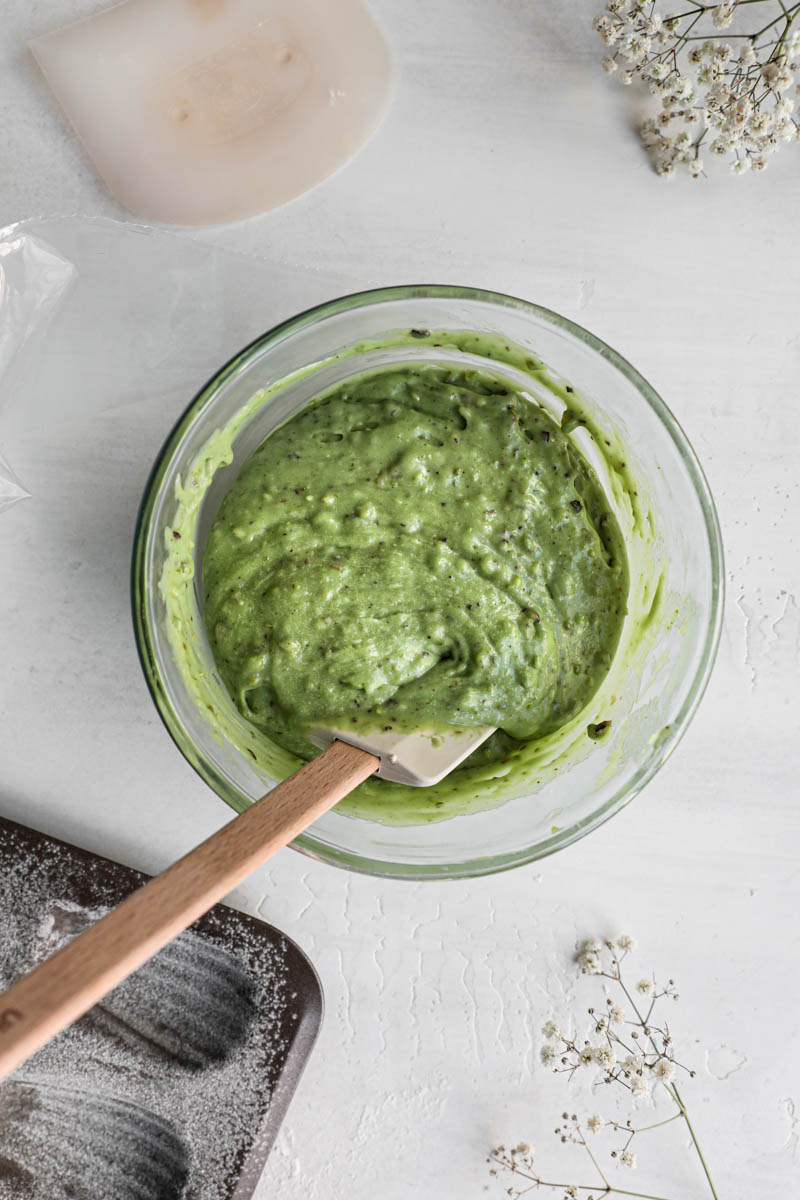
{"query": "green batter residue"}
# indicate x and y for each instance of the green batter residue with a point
(417, 549)
(340, 569)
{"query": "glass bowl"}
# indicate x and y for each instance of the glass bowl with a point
(668, 645)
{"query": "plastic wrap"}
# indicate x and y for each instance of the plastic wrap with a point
(34, 278)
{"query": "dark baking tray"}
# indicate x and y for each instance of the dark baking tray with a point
(90, 881)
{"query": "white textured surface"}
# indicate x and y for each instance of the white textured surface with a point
(507, 161)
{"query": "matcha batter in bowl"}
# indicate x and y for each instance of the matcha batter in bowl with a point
(438, 506)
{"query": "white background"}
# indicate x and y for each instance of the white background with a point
(507, 160)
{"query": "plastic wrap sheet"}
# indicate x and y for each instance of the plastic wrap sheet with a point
(34, 278)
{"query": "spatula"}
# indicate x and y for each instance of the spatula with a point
(38, 1006)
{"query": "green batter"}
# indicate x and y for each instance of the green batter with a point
(421, 547)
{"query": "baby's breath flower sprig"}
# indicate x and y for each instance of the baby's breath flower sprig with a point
(626, 1046)
(731, 98)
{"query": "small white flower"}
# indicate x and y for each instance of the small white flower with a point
(628, 1159)
(649, 132)
(659, 147)
(644, 987)
(718, 95)
(776, 74)
(604, 1057)
(707, 75)
(547, 1054)
(633, 1064)
(657, 71)
(524, 1149)
(609, 65)
(596, 1123)
(696, 167)
(626, 78)
(601, 1025)
(747, 55)
(640, 1088)
(760, 163)
(589, 955)
(741, 166)
(741, 110)
(551, 1031)
(771, 70)
(722, 16)
(586, 1056)
(617, 1015)
(635, 48)
(572, 1192)
(588, 961)
(761, 123)
(664, 1070)
(610, 35)
(737, 132)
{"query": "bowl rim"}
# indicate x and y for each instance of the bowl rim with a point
(306, 843)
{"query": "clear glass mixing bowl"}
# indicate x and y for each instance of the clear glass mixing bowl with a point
(680, 567)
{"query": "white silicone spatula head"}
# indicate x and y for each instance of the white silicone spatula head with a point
(202, 111)
(418, 759)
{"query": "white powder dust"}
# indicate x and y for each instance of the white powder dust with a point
(169, 1079)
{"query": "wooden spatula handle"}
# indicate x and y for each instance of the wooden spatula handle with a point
(40, 1005)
